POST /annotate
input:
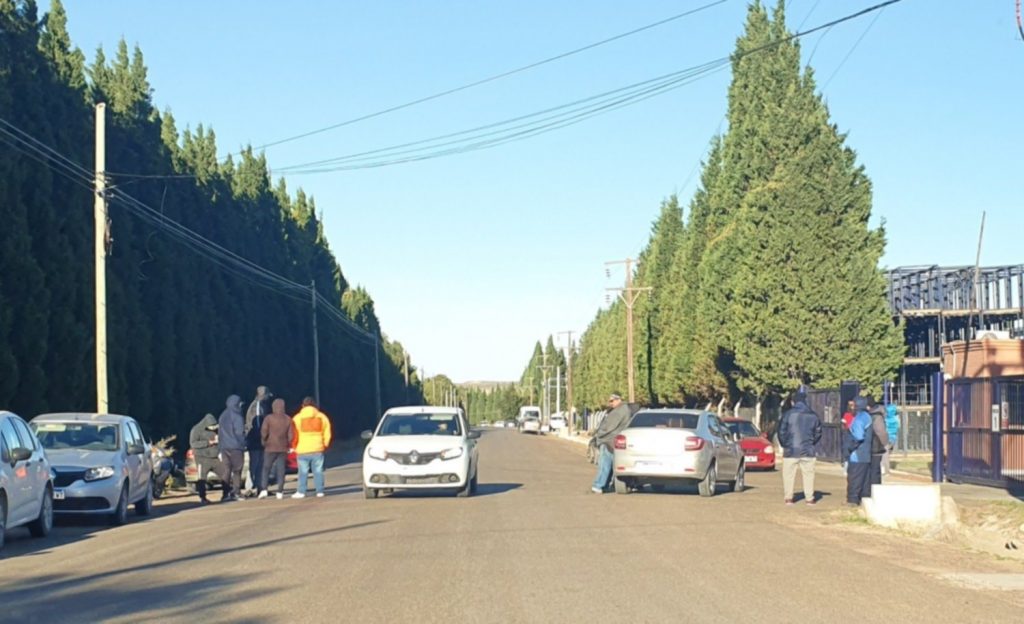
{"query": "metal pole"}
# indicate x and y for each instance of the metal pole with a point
(938, 413)
(376, 369)
(568, 390)
(100, 219)
(558, 389)
(316, 346)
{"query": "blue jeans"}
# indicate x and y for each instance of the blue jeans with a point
(316, 462)
(604, 468)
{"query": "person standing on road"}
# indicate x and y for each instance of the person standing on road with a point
(879, 442)
(611, 425)
(799, 433)
(232, 446)
(858, 451)
(258, 410)
(276, 437)
(311, 436)
(203, 441)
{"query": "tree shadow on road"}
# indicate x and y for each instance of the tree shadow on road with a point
(484, 489)
(65, 598)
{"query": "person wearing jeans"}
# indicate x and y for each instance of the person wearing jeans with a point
(614, 422)
(311, 436)
(275, 434)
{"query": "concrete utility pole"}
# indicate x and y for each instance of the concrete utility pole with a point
(568, 384)
(101, 220)
(558, 389)
(405, 355)
(316, 346)
(376, 368)
(629, 295)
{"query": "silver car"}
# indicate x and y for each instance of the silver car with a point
(665, 446)
(26, 492)
(101, 464)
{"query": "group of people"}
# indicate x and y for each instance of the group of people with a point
(869, 434)
(268, 435)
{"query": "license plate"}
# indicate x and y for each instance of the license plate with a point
(58, 495)
(751, 459)
(648, 464)
(415, 480)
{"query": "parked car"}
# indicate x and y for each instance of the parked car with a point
(26, 485)
(558, 422)
(665, 446)
(291, 466)
(101, 464)
(421, 447)
(531, 424)
(758, 452)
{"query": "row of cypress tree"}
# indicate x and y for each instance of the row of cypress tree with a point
(772, 280)
(184, 332)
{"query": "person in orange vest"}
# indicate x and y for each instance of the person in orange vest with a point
(311, 436)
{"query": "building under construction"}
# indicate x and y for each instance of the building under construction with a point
(941, 304)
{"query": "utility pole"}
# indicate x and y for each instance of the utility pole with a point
(558, 389)
(568, 384)
(316, 346)
(406, 357)
(100, 257)
(376, 368)
(629, 295)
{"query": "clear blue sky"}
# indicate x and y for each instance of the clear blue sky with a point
(472, 258)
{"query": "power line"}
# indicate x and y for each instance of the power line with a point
(505, 74)
(586, 108)
(852, 49)
(223, 257)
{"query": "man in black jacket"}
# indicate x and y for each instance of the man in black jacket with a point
(203, 440)
(799, 433)
(614, 422)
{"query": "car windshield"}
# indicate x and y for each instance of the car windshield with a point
(531, 415)
(420, 424)
(666, 420)
(81, 436)
(743, 429)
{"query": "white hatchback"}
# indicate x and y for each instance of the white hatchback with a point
(423, 447)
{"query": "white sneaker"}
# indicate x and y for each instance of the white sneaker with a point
(263, 494)
(319, 494)
(298, 495)
(279, 495)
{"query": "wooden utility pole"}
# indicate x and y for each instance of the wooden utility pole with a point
(568, 384)
(316, 347)
(101, 219)
(629, 295)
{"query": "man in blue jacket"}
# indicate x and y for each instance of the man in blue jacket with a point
(858, 448)
(799, 433)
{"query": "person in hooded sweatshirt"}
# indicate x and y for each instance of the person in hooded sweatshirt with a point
(858, 449)
(879, 441)
(231, 436)
(258, 410)
(311, 436)
(799, 434)
(276, 435)
(203, 440)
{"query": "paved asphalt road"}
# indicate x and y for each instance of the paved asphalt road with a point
(533, 546)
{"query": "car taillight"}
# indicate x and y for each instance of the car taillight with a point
(694, 443)
(620, 442)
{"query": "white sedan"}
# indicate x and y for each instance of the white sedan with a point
(423, 447)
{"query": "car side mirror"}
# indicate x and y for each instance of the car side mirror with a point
(20, 454)
(135, 449)
(473, 435)
(366, 435)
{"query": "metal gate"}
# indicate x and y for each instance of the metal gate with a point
(984, 431)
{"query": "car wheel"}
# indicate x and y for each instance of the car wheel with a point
(3, 521)
(740, 482)
(369, 493)
(120, 514)
(621, 487)
(473, 484)
(658, 487)
(40, 527)
(145, 506)
(707, 486)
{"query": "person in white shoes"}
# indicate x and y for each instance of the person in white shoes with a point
(276, 435)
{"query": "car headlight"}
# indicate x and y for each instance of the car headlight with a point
(769, 450)
(377, 453)
(452, 453)
(53, 474)
(99, 472)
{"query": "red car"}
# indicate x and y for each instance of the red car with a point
(758, 452)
